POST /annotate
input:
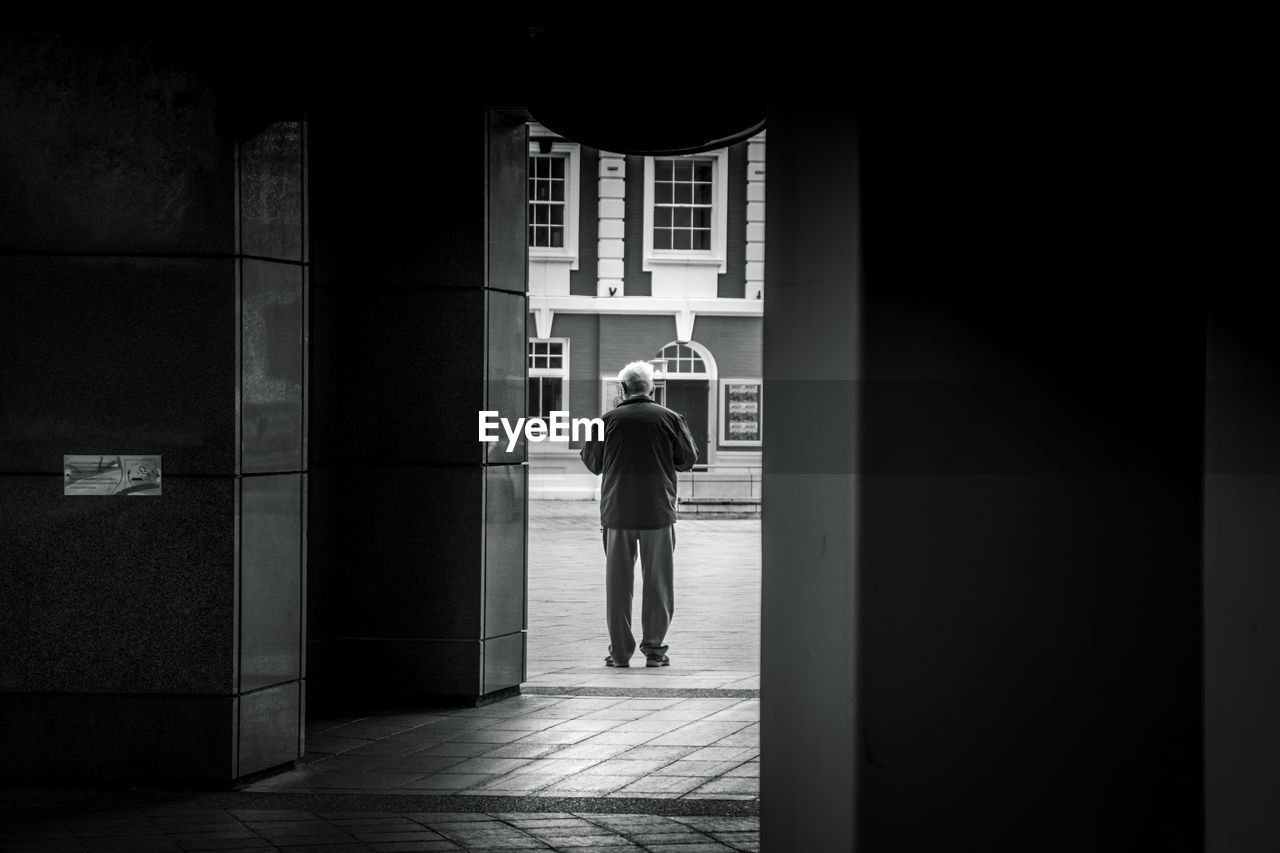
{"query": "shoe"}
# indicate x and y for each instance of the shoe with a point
(656, 660)
(609, 661)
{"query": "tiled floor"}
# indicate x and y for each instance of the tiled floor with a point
(211, 830)
(544, 746)
(639, 759)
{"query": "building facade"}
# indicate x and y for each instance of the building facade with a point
(646, 258)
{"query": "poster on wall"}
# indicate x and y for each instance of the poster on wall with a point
(742, 412)
(107, 474)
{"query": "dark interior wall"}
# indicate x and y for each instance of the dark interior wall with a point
(1242, 538)
(1030, 453)
(154, 281)
(1025, 559)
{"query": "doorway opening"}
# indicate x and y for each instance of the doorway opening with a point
(601, 295)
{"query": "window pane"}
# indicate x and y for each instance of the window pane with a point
(701, 239)
(557, 214)
(684, 170)
(557, 167)
(540, 347)
(534, 397)
(556, 361)
(531, 243)
(681, 216)
(551, 394)
(684, 193)
(557, 237)
(701, 217)
(662, 238)
(532, 187)
(557, 190)
(533, 167)
(541, 192)
(662, 170)
(536, 212)
(662, 217)
(679, 239)
(702, 193)
(662, 193)
(702, 171)
(555, 347)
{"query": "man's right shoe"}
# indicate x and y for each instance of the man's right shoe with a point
(609, 661)
(656, 660)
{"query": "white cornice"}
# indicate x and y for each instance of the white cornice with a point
(647, 305)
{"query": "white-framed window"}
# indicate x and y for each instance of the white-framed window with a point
(682, 362)
(741, 412)
(686, 202)
(548, 376)
(554, 180)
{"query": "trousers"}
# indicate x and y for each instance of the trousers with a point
(656, 549)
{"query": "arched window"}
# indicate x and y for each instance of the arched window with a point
(683, 362)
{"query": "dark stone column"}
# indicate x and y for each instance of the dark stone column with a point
(153, 272)
(982, 588)
(422, 273)
(809, 617)
(1241, 582)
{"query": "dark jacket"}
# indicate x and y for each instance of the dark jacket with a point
(644, 446)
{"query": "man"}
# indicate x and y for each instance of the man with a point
(644, 446)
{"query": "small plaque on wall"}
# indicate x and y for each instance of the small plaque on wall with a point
(110, 475)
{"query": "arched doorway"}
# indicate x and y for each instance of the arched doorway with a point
(688, 371)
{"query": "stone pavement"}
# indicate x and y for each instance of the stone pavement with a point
(656, 759)
(715, 632)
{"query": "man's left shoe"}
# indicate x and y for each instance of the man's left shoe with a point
(656, 660)
(609, 661)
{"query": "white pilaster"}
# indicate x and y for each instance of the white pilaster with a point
(611, 243)
(755, 216)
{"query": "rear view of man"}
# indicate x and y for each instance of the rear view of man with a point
(644, 445)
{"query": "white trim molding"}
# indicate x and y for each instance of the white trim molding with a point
(611, 237)
(670, 306)
(755, 216)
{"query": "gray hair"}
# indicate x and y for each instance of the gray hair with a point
(637, 377)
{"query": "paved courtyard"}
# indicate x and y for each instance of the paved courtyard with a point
(715, 633)
(639, 759)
